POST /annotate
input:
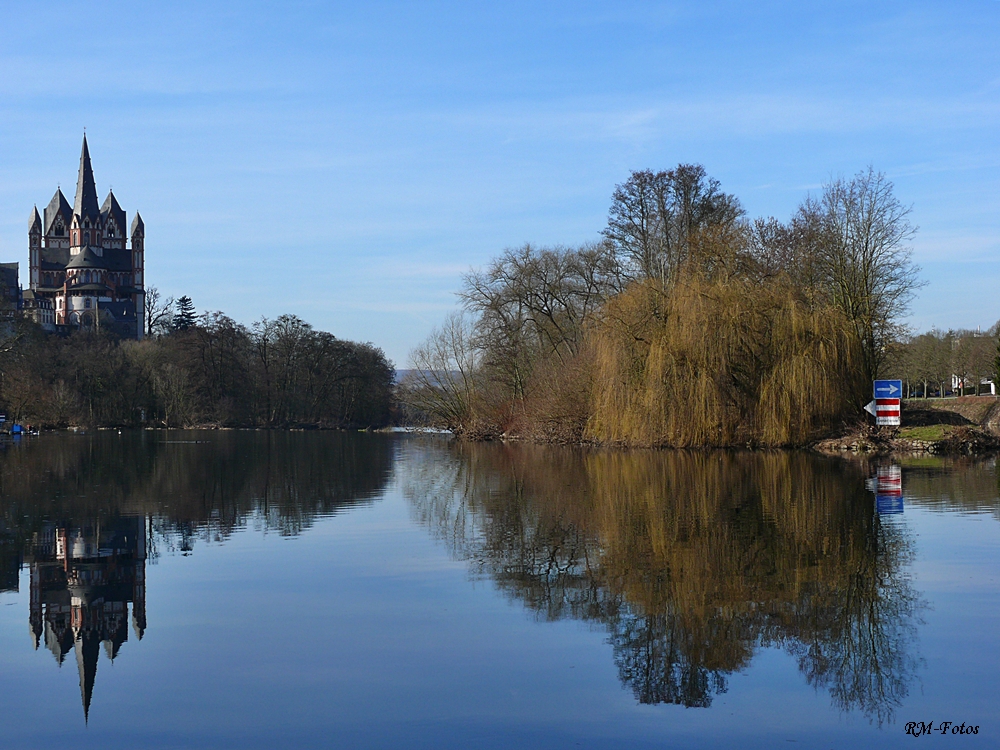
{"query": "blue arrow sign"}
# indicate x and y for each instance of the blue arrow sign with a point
(886, 505)
(888, 389)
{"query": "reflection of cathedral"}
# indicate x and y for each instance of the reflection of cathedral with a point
(82, 581)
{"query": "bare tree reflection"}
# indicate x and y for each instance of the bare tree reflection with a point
(692, 562)
(860, 649)
(87, 515)
(193, 485)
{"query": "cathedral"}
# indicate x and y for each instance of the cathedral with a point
(82, 274)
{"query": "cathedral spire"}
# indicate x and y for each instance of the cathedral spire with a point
(85, 204)
(87, 649)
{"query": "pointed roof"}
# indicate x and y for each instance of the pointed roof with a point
(85, 203)
(36, 626)
(112, 646)
(113, 210)
(138, 619)
(58, 205)
(138, 228)
(87, 650)
(58, 640)
(35, 223)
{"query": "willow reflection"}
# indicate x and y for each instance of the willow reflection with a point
(692, 562)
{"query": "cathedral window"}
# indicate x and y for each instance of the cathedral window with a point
(86, 303)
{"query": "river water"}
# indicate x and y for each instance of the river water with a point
(170, 589)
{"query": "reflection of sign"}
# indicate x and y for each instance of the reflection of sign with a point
(887, 402)
(889, 490)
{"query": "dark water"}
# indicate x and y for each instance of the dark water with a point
(245, 589)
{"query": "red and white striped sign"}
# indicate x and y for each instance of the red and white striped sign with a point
(887, 412)
(890, 481)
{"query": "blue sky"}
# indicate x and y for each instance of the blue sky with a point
(349, 162)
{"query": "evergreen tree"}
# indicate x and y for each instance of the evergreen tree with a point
(184, 318)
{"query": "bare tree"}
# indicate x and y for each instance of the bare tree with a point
(867, 263)
(654, 216)
(443, 382)
(532, 303)
(930, 357)
(159, 312)
(983, 348)
(973, 360)
(176, 392)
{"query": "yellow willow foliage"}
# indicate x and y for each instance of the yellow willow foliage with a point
(718, 363)
(700, 533)
(693, 560)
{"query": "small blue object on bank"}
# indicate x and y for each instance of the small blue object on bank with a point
(888, 389)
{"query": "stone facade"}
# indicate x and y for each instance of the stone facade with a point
(82, 273)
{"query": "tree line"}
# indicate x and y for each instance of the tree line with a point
(193, 369)
(928, 362)
(685, 323)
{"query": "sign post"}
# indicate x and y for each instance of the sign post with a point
(888, 397)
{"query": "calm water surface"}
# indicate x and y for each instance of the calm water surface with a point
(245, 589)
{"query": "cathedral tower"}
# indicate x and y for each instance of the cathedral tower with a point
(34, 247)
(86, 229)
(82, 274)
(138, 266)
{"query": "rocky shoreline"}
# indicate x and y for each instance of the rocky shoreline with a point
(965, 441)
(963, 426)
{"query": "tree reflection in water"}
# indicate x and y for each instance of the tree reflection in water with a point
(692, 561)
(87, 513)
(192, 484)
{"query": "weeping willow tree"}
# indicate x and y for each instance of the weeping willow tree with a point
(689, 324)
(726, 361)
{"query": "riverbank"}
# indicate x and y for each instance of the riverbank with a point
(967, 425)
